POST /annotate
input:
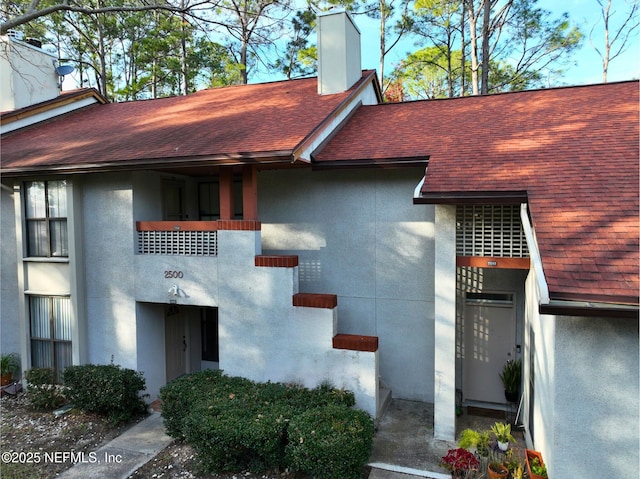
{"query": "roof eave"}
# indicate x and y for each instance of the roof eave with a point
(61, 100)
(471, 197)
(369, 78)
(589, 309)
(371, 163)
(228, 159)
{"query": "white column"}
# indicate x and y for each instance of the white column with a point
(445, 324)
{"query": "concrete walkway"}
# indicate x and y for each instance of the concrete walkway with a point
(122, 456)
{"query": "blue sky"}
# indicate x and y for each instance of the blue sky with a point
(585, 66)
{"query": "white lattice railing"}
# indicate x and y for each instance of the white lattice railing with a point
(184, 239)
(490, 230)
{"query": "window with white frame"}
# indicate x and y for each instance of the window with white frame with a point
(50, 329)
(46, 218)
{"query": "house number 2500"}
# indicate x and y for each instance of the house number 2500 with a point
(173, 274)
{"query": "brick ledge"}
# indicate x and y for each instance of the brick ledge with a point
(355, 342)
(276, 261)
(313, 300)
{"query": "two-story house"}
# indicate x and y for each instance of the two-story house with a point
(303, 231)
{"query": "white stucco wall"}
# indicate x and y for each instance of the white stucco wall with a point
(539, 335)
(587, 396)
(444, 417)
(359, 236)
(110, 272)
(9, 291)
(597, 398)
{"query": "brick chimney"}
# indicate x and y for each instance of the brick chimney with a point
(339, 60)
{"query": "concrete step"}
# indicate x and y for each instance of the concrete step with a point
(384, 400)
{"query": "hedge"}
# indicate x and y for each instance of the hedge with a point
(236, 424)
(330, 442)
(106, 389)
(43, 394)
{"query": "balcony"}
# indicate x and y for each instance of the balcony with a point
(186, 238)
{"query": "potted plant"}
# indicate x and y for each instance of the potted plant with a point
(511, 377)
(535, 465)
(459, 462)
(475, 441)
(502, 431)
(9, 366)
(514, 461)
(497, 470)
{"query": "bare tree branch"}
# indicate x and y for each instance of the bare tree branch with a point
(34, 13)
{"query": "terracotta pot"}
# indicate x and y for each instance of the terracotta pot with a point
(529, 456)
(6, 379)
(501, 474)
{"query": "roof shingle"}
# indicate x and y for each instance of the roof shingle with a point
(573, 150)
(237, 122)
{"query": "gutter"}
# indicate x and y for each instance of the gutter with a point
(418, 191)
(534, 255)
(565, 307)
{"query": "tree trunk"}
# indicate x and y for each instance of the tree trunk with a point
(102, 56)
(486, 32)
(383, 45)
(473, 23)
(463, 66)
(607, 45)
(183, 53)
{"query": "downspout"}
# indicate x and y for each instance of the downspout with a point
(534, 254)
(416, 192)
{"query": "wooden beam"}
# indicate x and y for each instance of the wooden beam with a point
(492, 262)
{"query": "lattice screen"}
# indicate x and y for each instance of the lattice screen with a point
(185, 243)
(485, 230)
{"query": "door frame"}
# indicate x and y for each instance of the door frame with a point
(490, 302)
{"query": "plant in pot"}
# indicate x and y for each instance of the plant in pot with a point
(459, 462)
(535, 465)
(514, 460)
(9, 367)
(497, 470)
(502, 432)
(475, 441)
(511, 377)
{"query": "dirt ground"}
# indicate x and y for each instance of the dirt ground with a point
(39, 445)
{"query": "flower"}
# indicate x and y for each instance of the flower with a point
(459, 460)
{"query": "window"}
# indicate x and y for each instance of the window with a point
(209, 199)
(50, 322)
(46, 216)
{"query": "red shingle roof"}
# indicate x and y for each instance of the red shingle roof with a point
(247, 121)
(574, 151)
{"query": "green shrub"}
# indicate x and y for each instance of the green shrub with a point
(43, 393)
(106, 389)
(185, 393)
(237, 438)
(330, 442)
(236, 424)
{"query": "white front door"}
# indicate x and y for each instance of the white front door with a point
(489, 342)
(175, 338)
